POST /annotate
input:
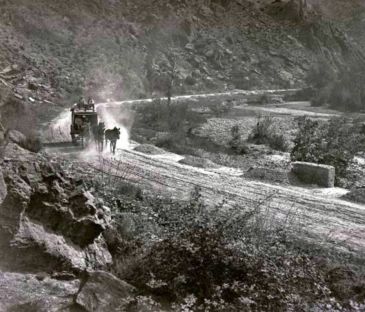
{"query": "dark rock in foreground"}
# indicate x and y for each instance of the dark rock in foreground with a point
(25, 293)
(47, 222)
(51, 240)
(102, 291)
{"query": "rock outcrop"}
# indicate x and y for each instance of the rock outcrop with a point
(17, 137)
(101, 291)
(48, 221)
(28, 292)
(53, 253)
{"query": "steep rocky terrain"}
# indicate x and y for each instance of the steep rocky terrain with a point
(54, 51)
(53, 253)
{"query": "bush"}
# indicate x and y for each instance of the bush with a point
(237, 145)
(263, 133)
(195, 267)
(278, 142)
(334, 143)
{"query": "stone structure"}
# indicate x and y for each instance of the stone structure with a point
(311, 173)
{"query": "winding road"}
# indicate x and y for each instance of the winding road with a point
(323, 219)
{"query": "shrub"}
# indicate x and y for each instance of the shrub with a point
(237, 145)
(195, 267)
(263, 133)
(278, 142)
(334, 143)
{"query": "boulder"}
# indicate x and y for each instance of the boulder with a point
(82, 203)
(311, 173)
(47, 222)
(101, 291)
(17, 137)
(26, 293)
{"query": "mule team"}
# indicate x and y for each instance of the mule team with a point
(101, 135)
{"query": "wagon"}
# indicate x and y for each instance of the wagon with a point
(83, 120)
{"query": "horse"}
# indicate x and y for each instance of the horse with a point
(98, 133)
(112, 135)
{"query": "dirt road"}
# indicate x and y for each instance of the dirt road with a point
(313, 215)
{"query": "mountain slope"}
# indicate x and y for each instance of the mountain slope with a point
(115, 49)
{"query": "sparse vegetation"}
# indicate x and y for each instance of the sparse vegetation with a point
(294, 250)
(236, 260)
(236, 143)
(264, 133)
(175, 123)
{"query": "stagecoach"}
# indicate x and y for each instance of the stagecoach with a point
(83, 119)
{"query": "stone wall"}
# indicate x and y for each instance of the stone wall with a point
(311, 173)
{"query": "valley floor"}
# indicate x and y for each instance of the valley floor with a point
(316, 214)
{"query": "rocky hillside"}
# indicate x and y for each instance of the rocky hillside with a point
(50, 223)
(53, 51)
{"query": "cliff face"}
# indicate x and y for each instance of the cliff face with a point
(115, 49)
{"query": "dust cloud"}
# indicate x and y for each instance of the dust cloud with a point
(115, 117)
